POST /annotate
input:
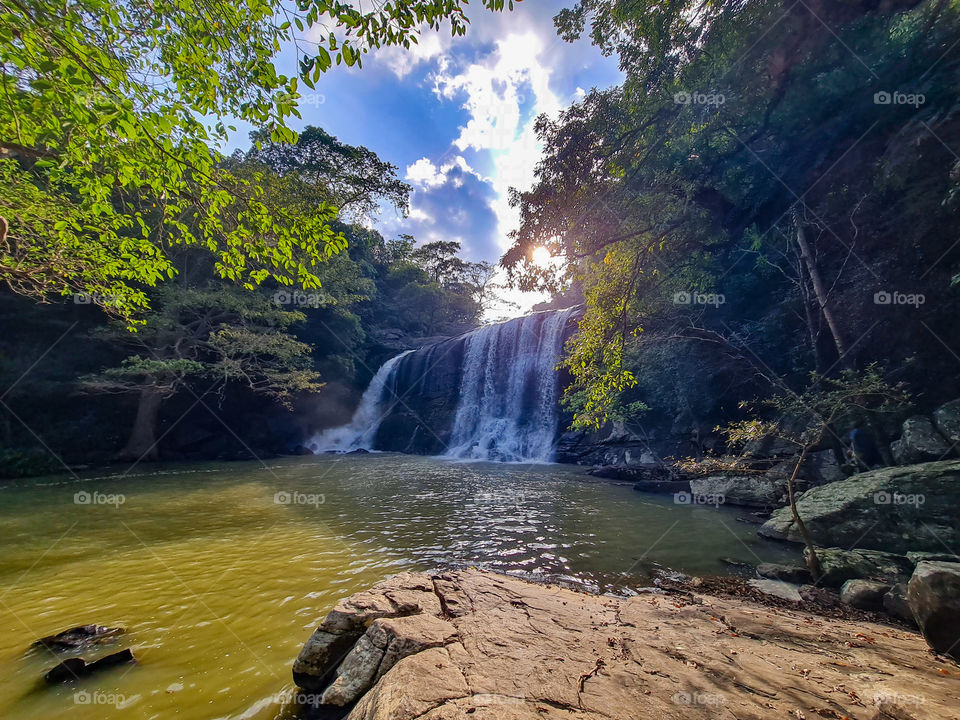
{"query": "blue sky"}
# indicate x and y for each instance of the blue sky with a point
(455, 115)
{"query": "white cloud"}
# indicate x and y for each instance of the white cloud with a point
(503, 93)
(427, 175)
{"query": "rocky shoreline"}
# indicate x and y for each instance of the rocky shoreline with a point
(472, 644)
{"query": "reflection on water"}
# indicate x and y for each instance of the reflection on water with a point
(220, 572)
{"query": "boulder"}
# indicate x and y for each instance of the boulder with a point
(895, 604)
(788, 573)
(864, 594)
(402, 595)
(76, 668)
(934, 598)
(919, 442)
(946, 418)
(763, 491)
(840, 565)
(822, 467)
(898, 509)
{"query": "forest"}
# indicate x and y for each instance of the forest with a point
(578, 358)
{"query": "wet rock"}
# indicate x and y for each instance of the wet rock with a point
(895, 604)
(763, 491)
(76, 668)
(402, 595)
(934, 598)
(919, 442)
(78, 638)
(946, 418)
(864, 594)
(898, 509)
(840, 565)
(787, 573)
(384, 644)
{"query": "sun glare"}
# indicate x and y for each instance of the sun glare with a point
(541, 257)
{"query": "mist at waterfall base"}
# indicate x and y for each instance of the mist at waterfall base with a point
(491, 394)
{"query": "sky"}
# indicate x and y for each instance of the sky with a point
(456, 115)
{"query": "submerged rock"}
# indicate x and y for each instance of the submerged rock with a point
(78, 638)
(934, 598)
(76, 668)
(898, 509)
(500, 648)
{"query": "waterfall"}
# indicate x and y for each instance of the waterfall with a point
(363, 426)
(507, 409)
(489, 394)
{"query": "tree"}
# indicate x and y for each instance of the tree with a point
(108, 117)
(352, 178)
(218, 334)
(732, 116)
(826, 409)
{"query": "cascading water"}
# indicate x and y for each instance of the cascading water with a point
(362, 430)
(490, 394)
(507, 409)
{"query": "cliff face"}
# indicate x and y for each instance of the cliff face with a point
(471, 645)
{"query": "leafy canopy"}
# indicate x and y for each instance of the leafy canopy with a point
(109, 114)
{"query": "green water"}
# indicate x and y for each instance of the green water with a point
(219, 580)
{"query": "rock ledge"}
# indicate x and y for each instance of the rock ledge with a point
(474, 645)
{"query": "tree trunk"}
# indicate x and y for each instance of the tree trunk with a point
(142, 444)
(813, 562)
(820, 291)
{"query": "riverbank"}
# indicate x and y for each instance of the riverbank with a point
(473, 644)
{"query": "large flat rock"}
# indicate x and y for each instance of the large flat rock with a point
(896, 509)
(505, 649)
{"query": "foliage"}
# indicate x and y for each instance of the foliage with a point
(738, 124)
(109, 114)
(827, 408)
(221, 334)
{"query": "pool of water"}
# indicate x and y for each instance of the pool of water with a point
(219, 572)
